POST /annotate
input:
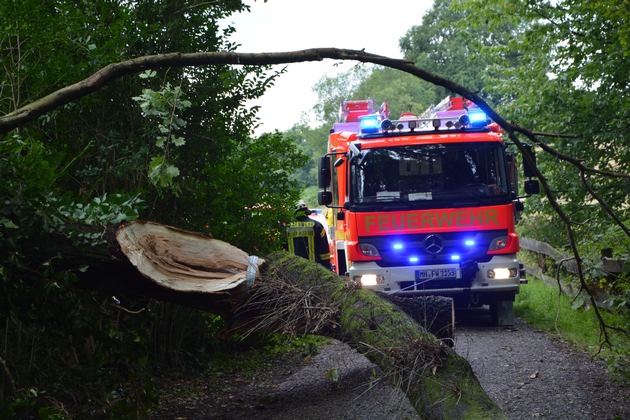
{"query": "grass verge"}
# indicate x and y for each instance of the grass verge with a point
(541, 306)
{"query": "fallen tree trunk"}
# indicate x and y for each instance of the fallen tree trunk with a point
(216, 274)
(297, 296)
(292, 295)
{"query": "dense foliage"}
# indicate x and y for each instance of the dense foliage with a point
(172, 145)
(571, 78)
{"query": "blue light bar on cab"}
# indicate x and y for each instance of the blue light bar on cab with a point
(370, 123)
(478, 118)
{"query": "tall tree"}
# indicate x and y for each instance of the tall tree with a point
(572, 79)
(331, 91)
(312, 141)
(401, 91)
(445, 43)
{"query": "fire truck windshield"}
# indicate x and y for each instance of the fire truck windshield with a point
(430, 175)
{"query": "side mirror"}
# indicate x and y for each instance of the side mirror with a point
(324, 198)
(532, 186)
(323, 165)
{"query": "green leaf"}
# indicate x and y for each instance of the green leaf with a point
(172, 171)
(8, 224)
(147, 74)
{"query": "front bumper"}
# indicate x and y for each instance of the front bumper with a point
(469, 278)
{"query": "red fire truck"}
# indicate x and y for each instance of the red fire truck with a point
(425, 205)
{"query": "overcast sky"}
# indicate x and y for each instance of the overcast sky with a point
(290, 25)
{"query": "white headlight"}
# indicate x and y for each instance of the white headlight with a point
(370, 279)
(502, 273)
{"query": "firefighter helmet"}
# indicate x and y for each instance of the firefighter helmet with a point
(302, 207)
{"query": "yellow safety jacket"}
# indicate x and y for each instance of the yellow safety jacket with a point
(307, 238)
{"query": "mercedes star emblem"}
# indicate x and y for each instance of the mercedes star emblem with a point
(433, 244)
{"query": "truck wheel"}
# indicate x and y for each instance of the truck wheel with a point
(502, 313)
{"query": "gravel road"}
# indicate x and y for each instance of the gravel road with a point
(527, 374)
(530, 375)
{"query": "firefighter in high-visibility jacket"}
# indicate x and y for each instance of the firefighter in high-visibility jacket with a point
(307, 237)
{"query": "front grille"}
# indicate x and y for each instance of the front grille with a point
(421, 247)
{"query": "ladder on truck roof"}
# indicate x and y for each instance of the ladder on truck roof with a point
(448, 107)
(350, 113)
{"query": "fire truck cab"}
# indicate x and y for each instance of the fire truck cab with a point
(425, 205)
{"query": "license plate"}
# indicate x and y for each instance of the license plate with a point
(444, 273)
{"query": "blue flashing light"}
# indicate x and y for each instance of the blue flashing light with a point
(478, 118)
(398, 246)
(413, 259)
(469, 242)
(455, 257)
(370, 123)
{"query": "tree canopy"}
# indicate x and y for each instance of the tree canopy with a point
(572, 78)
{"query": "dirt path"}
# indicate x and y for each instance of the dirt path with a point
(337, 383)
(526, 373)
(530, 375)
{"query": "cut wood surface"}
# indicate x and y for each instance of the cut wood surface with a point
(182, 260)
